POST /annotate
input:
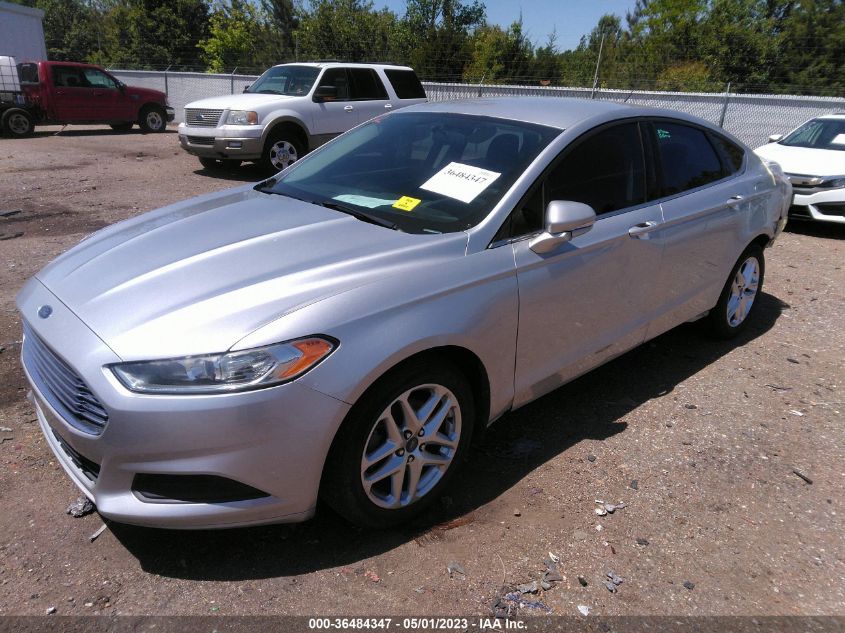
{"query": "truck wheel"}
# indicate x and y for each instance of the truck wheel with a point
(281, 150)
(17, 122)
(121, 127)
(219, 163)
(153, 119)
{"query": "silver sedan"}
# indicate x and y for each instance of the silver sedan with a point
(342, 329)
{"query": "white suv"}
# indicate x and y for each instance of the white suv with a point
(292, 109)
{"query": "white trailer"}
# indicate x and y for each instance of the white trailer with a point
(21, 32)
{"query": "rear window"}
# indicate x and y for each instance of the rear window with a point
(406, 84)
(28, 73)
(367, 84)
(732, 154)
(687, 158)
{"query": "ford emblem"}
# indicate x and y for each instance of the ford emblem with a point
(45, 311)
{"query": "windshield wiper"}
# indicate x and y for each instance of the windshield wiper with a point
(360, 215)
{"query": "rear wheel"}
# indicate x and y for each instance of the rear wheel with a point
(121, 127)
(17, 122)
(738, 298)
(400, 446)
(153, 118)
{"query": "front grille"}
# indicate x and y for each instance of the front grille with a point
(64, 389)
(799, 211)
(201, 140)
(832, 208)
(90, 469)
(200, 117)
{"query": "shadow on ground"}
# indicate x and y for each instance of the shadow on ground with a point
(592, 407)
(247, 172)
(106, 131)
(811, 228)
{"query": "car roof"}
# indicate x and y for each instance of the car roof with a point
(558, 112)
(335, 64)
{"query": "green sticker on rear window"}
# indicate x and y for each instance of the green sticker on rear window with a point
(663, 134)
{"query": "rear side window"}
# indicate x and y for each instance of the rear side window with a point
(366, 84)
(732, 154)
(68, 77)
(406, 84)
(605, 171)
(28, 73)
(687, 158)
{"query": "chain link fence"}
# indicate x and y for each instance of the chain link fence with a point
(751, 118)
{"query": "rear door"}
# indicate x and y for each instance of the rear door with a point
(368, 93)
(72, 101)
(702, 200)
(592, 298)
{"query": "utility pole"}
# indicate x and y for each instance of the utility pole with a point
(598, 62)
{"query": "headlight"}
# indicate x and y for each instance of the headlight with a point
(835, 182)
(242, 117)
(226, 372)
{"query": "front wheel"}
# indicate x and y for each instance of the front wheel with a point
(153, 118)
(400, 446)
(281, 150)
(738, 298)
(17, 122)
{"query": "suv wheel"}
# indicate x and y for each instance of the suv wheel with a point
(281, 150)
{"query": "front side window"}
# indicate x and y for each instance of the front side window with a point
(687, 159)
(339, 79)
(818, 134)
(367, 85)
(605, 171)
(286, 80)
(98, 79)
(422, 172)
(68, 77)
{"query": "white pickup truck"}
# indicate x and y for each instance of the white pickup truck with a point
(292, 109)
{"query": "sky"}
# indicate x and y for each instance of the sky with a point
(571, 18)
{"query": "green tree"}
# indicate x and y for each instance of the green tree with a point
(232, 37)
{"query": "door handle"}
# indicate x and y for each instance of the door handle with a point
(97, 93)
(642, 228)
(60, 92)
(734, 201)
(348, 108)
(388, 106)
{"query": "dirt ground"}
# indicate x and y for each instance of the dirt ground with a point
(717, 522)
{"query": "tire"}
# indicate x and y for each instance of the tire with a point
(740, 295)
(121, 127)
(152, 118)
(17, 122)
(431, 459)
(218, 164)
(281, 150)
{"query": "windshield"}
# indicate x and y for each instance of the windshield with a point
(420, 172)
(818, 134)
(286, 80)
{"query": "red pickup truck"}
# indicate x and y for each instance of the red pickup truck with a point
(69, 92)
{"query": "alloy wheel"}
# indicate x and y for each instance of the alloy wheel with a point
(743, 291)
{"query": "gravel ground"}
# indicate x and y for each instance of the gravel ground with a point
(698, 438)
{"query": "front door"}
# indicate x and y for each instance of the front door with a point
(590, 299)
(108, 102)
(335, 116)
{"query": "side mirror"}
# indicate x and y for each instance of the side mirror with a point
(121, 86)
(774, 138)
(246, 87)
(325, 93)
(564, 220)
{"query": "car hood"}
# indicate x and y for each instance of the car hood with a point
(197, 277)
(805, 160)
(245, 101)
(146, 93)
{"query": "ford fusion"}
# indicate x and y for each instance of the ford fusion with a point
(340, 331)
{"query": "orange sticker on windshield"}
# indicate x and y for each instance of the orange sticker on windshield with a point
(406, 203)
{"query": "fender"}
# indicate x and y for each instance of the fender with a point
(287, 116)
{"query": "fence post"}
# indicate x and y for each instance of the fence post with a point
(166, 91)
(232, 81)
(725, 105)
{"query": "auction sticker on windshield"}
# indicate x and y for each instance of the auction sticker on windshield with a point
(459, 181)
(406, 203)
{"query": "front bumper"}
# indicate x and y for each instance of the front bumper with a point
(226, 142)
(820, 206)
(274, 440)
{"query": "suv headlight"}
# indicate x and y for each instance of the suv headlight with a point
(227, 372)
(242, 117)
